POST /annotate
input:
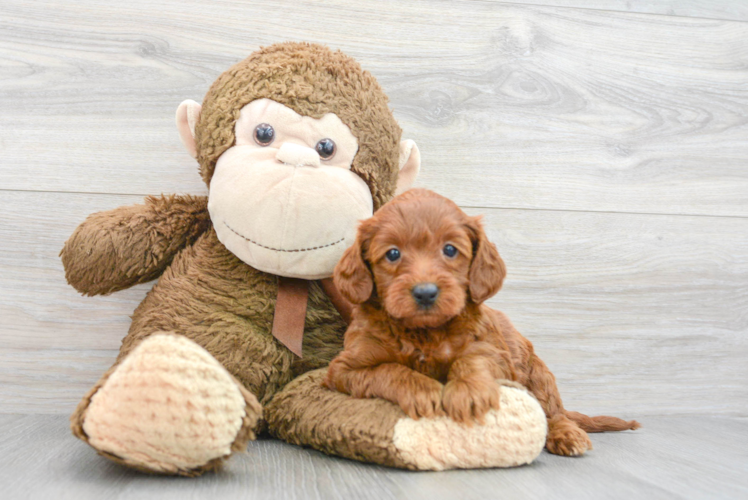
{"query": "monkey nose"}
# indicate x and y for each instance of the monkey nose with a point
(425, 294)
(297, 156)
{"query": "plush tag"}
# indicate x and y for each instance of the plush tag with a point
(290, 312)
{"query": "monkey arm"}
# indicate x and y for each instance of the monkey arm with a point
(116, 249)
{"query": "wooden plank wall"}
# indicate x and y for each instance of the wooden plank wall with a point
(606, 142)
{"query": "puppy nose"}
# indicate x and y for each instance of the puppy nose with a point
(425, 294)
(297, 156)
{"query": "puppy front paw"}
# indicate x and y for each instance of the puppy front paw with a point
(423, 400)
(465, 400)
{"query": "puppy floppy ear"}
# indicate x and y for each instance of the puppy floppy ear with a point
(487, 270)
(352, 275)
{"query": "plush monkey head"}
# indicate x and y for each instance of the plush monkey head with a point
(297, 144)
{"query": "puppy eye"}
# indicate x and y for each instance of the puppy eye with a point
(449, 250)
(392, 254)
(326, 149)
(264, 134)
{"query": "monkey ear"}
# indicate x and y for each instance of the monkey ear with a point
(352, 276)
(187, 115)
(487, 270)
(410, 165)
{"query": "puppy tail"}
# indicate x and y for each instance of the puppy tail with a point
(602, 423)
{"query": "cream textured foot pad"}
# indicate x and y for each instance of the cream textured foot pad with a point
(375, 430)
(514, 435)
(169, 406)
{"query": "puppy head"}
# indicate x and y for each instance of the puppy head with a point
(423, 258)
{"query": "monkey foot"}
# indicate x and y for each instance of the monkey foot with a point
(168, 407)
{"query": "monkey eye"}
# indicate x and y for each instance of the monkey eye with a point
(325, 149)
(449, 250)
(392, 254)
(264, 134)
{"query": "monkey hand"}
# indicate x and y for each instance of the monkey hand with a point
(116, 249)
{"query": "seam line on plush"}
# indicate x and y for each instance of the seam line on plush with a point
(281, 249)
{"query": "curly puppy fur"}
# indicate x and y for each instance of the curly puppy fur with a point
(443, 356)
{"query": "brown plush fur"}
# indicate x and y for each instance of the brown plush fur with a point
(226, 306)
(323, 82)
(359, 429)
(208, 295)
(204, 292)
(445, 357)
(132, 245)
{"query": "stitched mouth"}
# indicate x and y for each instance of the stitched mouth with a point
(282, 249)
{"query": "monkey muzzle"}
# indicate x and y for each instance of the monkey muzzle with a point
(290, 219)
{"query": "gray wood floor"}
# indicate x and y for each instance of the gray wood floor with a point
(606, 141)
(671, 457)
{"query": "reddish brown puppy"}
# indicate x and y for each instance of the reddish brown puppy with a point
(419, 271)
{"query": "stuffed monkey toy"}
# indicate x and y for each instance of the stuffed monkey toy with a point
(296, 144)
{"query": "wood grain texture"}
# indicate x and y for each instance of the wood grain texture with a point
(608, 148)
(669, 458)
(39, 309)
(635, 314)
(49, 381)
(735, 10)
(513, 106)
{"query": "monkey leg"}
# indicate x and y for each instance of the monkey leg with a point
(375, 430)
(220, 312)
(168, 407)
